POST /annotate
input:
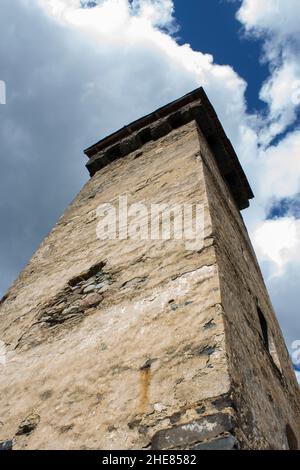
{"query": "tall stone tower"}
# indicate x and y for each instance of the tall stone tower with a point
(132, 342)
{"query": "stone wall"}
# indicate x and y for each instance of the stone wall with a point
(264, 386)
(112, 343)
(143, 344)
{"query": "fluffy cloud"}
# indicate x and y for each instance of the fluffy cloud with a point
(279, 175)
(278, 241)
(277, 22)
(282, 94)
(272, 17)
(109, 15)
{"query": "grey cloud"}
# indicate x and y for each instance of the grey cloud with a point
(61, 98)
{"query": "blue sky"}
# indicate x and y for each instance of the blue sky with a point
(75, 74)
(211, 27)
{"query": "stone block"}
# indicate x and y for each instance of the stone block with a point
(185, 435)
(221, 443)
(7, 445)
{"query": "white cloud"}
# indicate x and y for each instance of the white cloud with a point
(277, 172)
(278, 241)
(282, 94)
(278, 17)
(110, 16)
(279, 175)
(277, 23)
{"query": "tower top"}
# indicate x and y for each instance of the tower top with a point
(193, 106)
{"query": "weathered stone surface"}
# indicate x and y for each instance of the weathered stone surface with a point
(92, 300)
(71, 310)
(185, 435)
(90, 288)
(174, 339)
(78, 357)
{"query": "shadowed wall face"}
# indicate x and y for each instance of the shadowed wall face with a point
(263, 383)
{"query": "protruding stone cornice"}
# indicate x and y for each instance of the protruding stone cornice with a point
(194, 106)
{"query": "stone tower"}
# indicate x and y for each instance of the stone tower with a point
(133, 343)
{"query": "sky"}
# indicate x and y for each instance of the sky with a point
(77, 70)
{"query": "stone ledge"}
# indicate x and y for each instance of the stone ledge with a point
(194, 106)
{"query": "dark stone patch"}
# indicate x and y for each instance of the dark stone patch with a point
(3, 299)
(191, 433)
(201, 410)
(270, 397)
(148, 364)
(98, 398)
(7, 445)
(134, 424)
(138, 155)
(46, 395)
(291, 438)
(67, 428)
(60, 317)
(111, 428)
(175, 417)
(179, 381)
(222, 443)
(28, 425)
(207, 351)
(143, 430)
(209, 325)
(93, 271)
(222, 402)
(161, 129)
(144, 136)
(174, 307)
(134, 282)
(70, 304)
